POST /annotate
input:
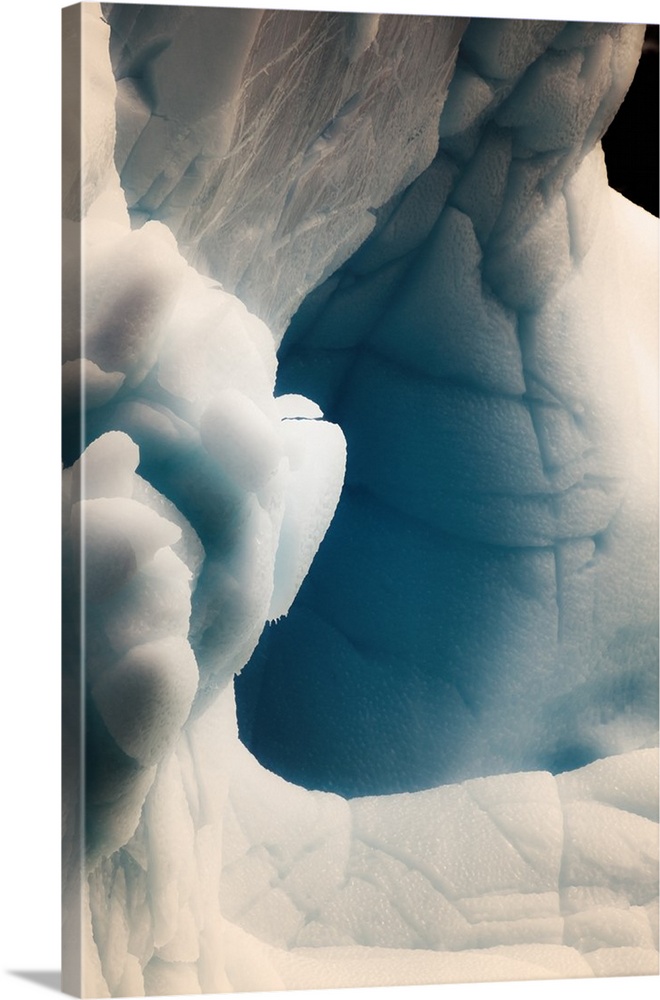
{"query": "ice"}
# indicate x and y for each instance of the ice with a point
(479, 343)
(213, 343)
(293, 406)
(298, 103)
(100, 386)
(109, 468)
(361, 34)
(480, 865)
(147, 698)
(144, 559)
(241, 439)
(122, 531)
(503, 50)
(317, 458)
(124, 317)
(484, 595)
(499, 356)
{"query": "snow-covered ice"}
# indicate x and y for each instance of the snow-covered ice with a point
(447, 766)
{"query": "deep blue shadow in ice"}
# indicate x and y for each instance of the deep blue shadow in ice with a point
(445, 628)
(405, 659)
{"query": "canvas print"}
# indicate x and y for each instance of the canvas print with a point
(359, 504)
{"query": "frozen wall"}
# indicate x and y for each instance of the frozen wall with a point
(494, 623)
(268, 163)
(486, 356)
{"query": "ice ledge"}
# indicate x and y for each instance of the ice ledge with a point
(511, 861)
(259, 884)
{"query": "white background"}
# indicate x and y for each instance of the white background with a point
(29, 488)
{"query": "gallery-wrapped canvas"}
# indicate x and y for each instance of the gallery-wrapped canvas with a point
(359, 504)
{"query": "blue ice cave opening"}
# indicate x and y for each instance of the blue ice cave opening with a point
(446, 629)
(410, 654)
(439, 633)
(428, 643)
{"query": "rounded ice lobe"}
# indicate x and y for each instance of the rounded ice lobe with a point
(109, 467)
(130, 289)
(211, 344)
(120, 536)
(499, 448)
(154, 604)
(309, 130)
(294, 406)
(146, 698)
(502, 49)
(173, 513)
(241, 439)
(470, 94)
(141, 674)
(316, 451)
(197, 401)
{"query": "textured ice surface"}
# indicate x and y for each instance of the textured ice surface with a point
(482, 352)
(268, 163)
(488, 354)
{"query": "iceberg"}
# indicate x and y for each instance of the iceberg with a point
(360, 506)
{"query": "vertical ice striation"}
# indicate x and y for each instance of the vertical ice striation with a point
(268, 164)
(487, 355)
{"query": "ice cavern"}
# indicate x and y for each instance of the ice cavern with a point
(360, 504)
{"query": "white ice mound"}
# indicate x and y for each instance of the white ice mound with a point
(174, 566)
(190, 376)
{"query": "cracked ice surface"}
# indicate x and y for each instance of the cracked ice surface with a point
(247, 163)
(480, 335)
(202, 500)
